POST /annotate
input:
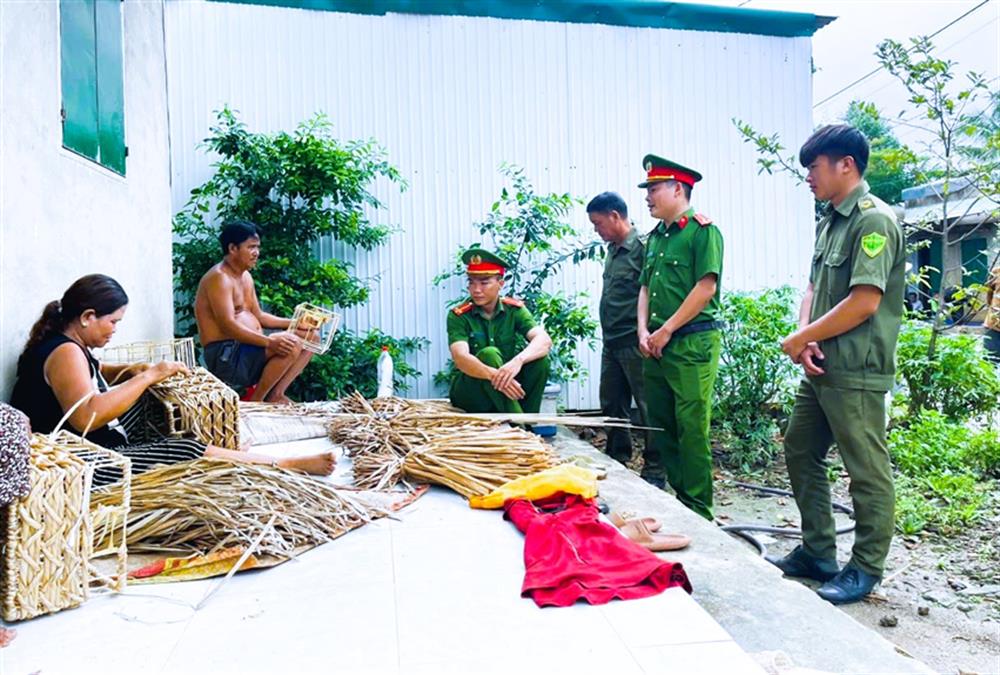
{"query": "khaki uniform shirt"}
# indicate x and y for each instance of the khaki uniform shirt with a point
(678, 256)
(507, 330)
(620, 293)
(859, 243)
(993, 311)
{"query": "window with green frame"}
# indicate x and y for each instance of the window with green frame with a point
(93, 80)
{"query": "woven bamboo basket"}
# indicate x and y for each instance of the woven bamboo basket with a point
(315, 325)
(198, 405)
(47, 556)
(181, 349)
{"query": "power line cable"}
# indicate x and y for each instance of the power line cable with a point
(940, 52)
(879, 69)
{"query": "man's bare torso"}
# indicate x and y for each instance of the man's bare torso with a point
(241, 290)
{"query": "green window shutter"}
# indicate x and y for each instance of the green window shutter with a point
(110, 86)
(79, 76)
(93, 86)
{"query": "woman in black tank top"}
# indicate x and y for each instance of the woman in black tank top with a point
(57, 371)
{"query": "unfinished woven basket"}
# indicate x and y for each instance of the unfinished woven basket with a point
(180, 349)
(198, 405)
(47, 546)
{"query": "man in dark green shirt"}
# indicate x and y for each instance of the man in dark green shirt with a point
(621, 362)
(678, 330)
(486, 336)
(846, 344)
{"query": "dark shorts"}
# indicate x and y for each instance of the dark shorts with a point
(236, 364)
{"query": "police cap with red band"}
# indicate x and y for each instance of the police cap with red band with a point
(480, 261)
(659, 169)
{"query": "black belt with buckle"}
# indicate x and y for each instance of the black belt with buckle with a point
(698, 327)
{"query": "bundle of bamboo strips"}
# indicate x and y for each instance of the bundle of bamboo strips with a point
(391, 439)
(392, 405)
(378, 434)
(474, 463)
(207, 505)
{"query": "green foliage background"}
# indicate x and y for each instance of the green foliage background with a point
(529, 231)
(755, 384)
(297, 188)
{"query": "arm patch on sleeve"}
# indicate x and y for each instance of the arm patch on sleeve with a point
(873, 244)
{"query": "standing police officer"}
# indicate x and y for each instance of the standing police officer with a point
(846, 344)
(678, 317)
(621, 361)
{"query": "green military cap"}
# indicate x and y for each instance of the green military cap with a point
(481, 261)
(659, 169)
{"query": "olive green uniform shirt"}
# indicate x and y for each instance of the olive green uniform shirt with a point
(620, 293)
(507, 330)
(677, 258)
(859, 243)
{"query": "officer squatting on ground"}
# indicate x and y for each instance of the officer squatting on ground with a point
(483, 336)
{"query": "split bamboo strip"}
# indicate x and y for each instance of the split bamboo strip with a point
(206, 505)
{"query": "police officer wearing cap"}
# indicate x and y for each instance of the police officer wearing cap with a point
(678, 323)
(846, 345)
(499, 350)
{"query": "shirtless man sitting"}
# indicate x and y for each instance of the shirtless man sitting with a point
(231, 323)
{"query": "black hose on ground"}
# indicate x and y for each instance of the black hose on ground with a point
(743, 530)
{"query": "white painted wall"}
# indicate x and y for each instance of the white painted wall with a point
(452, 97)
(63, 216)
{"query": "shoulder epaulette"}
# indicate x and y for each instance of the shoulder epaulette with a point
(513, 302)
(462, 309)
(702, 219)
(866, 203)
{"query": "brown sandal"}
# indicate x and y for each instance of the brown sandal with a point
(637, 531)
(619, 520)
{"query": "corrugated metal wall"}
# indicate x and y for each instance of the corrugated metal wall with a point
(451, 98)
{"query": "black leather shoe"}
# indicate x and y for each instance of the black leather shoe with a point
(655, 481)
(850, 585)
(798, 563)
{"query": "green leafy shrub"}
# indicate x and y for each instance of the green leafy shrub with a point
(959, 381)
(942, 501)
(756, 379)
(297, 188)
(529, 231)
(943, 470)
(983, 453)
(930, 443)
(913, 510)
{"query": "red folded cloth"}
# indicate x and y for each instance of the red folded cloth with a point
(570, 555)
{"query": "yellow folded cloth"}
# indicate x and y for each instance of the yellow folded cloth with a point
(568, 478)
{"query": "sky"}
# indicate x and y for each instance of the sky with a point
(843, 51)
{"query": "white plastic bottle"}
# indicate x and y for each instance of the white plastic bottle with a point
(384, 373)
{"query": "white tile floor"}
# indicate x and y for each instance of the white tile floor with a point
(437, 591)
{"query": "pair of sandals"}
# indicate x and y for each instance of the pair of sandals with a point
(646, 533)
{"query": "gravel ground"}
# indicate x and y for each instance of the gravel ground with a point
(940, 601)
